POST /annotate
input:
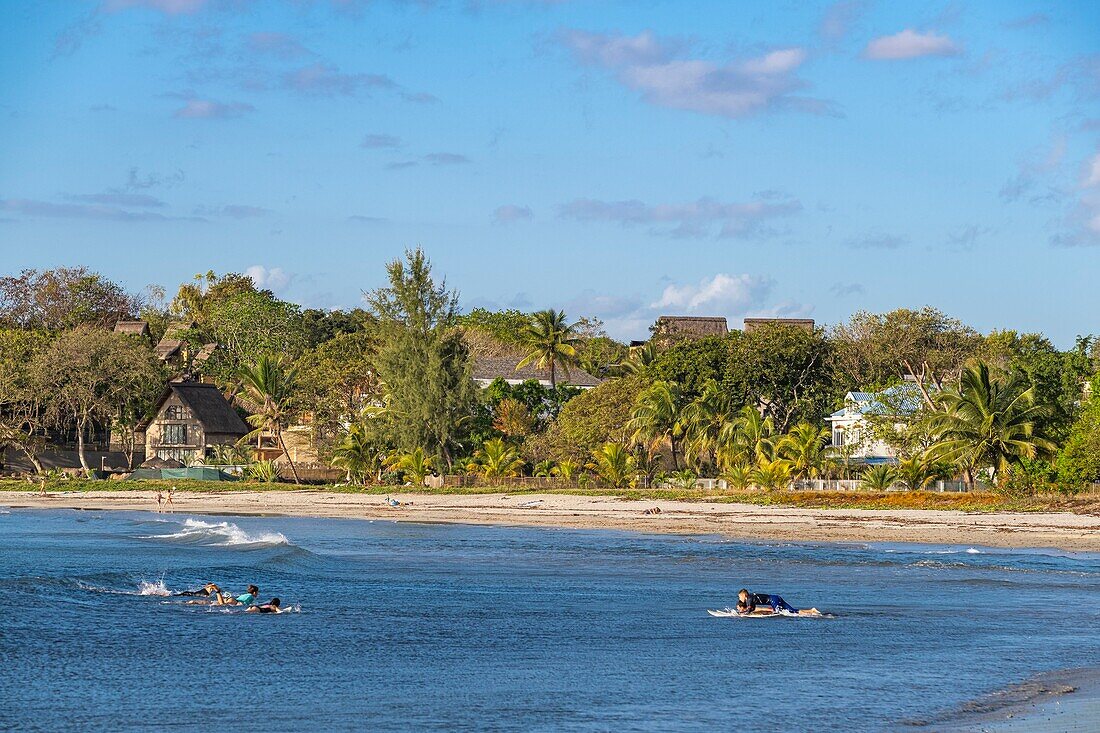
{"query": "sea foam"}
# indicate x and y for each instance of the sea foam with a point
(221, 534)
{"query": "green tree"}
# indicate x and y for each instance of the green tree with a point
(917, 472)
(416, 465)
(746, 439)
(248, 325)
(693, 364)
(360, 453)
(423, 361)
(337, 379)
(771, 475)
(989, 420)
(614, 463)
(704, 419)
(878, 478)
(873, 350)
(594, 417)
(89, 376)
(22, 419)
(783, 370)
(550, 342)
(267, 389)
(659, 417)
(805, 450)
(62, 299)
(1078, 461)
(497, 459)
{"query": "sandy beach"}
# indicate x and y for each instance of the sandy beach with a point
(1077, 532)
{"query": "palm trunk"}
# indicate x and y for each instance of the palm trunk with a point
(293, 469)
(553, 379)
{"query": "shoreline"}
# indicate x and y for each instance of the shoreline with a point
(1056, 530)
(1060, 700)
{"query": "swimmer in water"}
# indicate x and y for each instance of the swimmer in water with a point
(272, 606)
(244, 599)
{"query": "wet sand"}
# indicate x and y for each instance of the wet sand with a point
(1065, 531)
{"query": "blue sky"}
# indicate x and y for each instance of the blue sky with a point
(618, 159)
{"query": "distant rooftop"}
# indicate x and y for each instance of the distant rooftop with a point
(488, 368)
(803, 323)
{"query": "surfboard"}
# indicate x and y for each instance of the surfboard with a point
(731, 613)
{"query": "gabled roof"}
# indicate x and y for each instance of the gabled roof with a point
(494, 367)
(208, 406)
(901, 399)
(170, 345)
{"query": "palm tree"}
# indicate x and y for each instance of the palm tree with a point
(543, 469)
(566, 469)
(659, 416)
(747, 438)
(614, 463)
(416, 465)
(917, 472)
(878, 478)
(550, 343)
(771, 475)
(703, 421)
(266, 390)
(497, 459)
(357, 454)
(738, 476)
(991, 419)
(804, 448)
(639, 360)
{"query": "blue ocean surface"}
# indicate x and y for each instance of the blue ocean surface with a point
(403, 626)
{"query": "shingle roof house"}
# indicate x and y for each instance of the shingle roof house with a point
(189, 418)
(489, 368)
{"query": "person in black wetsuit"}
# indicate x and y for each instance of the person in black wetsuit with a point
(750, 602)
(207, 590)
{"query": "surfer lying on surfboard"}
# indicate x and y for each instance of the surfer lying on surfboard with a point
(766, 603)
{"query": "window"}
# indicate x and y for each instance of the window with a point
(177, 454)
(838, 438)
(173, 435)
(176, 412)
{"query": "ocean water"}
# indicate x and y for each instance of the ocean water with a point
(450, 627)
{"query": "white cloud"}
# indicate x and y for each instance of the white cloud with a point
(910, 44)
(265, 278)
(721, 293)
(1091, 178)
(655, 69)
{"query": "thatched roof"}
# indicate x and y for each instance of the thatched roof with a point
(489, 368)
(803, 323)
(208, 406)
(171, 345)
(133, 328)
(691, 326)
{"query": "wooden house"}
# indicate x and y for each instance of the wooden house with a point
(190, 418)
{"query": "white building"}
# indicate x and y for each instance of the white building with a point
(850, 426)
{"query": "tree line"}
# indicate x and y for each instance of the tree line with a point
(388, 394)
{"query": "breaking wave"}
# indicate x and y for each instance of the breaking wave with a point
(220, 534)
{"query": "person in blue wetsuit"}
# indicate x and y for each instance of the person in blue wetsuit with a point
(757, 603)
